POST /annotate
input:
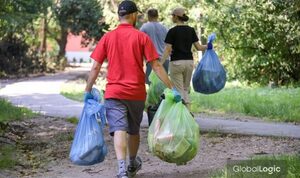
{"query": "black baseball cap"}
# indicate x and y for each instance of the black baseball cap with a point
(127, 7)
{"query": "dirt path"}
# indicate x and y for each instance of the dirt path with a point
(43, 146)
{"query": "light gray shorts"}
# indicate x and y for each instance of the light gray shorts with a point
(124, 115)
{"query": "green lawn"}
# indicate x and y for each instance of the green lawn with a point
(291, 164)
(73, 90)
(281, 104)
(9, 112)
(73, 120)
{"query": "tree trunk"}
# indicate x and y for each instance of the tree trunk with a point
(43, 47)
(62, 42)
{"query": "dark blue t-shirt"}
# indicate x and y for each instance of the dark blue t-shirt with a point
(181, 37)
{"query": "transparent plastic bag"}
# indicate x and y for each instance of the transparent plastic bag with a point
(156, 89)
(159, 117)
(209, 76)
(173, 135)
(88, 146)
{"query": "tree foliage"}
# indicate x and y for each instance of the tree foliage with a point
(16, 28)
(164, 7)
(16, 15)
(259, 40)
(29, 25)
(17, 58)
(78, 17)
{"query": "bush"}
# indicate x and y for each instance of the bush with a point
(18, 59)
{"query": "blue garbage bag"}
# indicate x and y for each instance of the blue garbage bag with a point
(209, 76)
(88, 146)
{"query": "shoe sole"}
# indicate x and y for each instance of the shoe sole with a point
(132, 174)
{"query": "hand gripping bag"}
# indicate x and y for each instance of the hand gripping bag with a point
(209, 76)
(156, 89)
(174, 135)
(88, 146)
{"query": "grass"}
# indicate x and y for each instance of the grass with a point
(72, 120)
(291, 163)
(9, 112)
(73, 90)
(280, 104)
(64, 137)
(7, 158)
(77, 96)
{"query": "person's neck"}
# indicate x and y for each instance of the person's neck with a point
(126, 22)
(153, 20)
(180, 23)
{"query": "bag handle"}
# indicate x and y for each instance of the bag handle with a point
(211, 37)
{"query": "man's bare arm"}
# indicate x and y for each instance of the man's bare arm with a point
(161, 73)
(93, 76)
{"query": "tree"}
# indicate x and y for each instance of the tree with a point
(21, 22)
(78, 17)
(17, 15)
(164, 7)
(16, 28)
(260, 40)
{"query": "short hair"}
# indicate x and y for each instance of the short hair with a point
(124, 16)
(152, 13)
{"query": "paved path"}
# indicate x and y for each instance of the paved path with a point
(249, 127)
(41, 94)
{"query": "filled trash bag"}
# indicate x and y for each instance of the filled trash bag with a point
(173, 134)
(88, 146)
(209, 76)
(156, 89)
(151, 110)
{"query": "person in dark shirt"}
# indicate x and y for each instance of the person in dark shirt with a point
(179, 41)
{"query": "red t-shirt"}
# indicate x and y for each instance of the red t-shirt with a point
(124, 48)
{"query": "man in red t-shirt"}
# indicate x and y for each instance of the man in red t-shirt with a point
(125, 94)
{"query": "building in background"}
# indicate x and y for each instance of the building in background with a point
(75, 51)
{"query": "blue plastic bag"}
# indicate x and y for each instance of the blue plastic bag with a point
(88, 146)
(209, 76)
